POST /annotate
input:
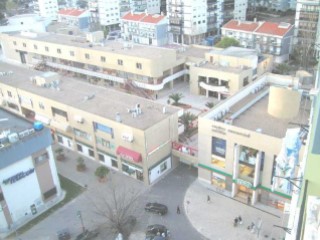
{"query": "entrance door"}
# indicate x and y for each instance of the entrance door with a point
(23, 58)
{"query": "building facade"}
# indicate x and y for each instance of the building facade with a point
(144, 28)
(124, 132)
(233, 154)
(192, 21)
(307, 26)
(29, 179)
(75, 17)
(267, 37)
(114, 63)
(47, 9)
(225, 71)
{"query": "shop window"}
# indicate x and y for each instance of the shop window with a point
(218, 162)
(101, 157)
(248, 155)
(79, 148)
(114, 163)
(218, 147)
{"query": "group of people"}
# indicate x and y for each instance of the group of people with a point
(237, 220)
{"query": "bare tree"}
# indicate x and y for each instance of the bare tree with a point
(117, 206)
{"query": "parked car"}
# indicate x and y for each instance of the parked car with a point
(156, 208)
(87, 235)
(64, 234)
(155, 231)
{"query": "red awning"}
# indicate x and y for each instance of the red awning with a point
(128, 154)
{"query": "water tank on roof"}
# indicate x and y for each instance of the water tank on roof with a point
(38, 126)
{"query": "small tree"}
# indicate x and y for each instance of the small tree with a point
(81, 166)
(176, 97)
(282, 69)
(209, 104)
(187, 119)
(227, 42)
(60, 155)
(101, 172)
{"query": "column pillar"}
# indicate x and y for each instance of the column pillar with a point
(235, 173)
(207, 91)
(256, 177)
(171, 82)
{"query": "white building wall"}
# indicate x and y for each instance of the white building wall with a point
(54, 171)
(27, 187)
(156, 172)
(48, 9)
(109, 12)
(240, 9)
(153, 6)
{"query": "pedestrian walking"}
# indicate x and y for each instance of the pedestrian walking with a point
(235, 222)
(240, 220)
(178, 210)
(248, 200)
(208, 199)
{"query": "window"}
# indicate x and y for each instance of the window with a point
(87, 56)
(58, 50)
(41, 106)
(114, 163)
(47, 49)
(82, 134)
(139, 65)
(60, 140)
(72, 53)
(245, 81)
(163, 167)
(120, 62)
(79, 147)
(103, 59)
(218, 147)
(101, 157)
(24, 44)
(56, 111)
(91, 153)
(15, 43)
(35, 46)
(9, 94)
(103, 142)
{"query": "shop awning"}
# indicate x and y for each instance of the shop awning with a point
(128, 154)
(42, 119)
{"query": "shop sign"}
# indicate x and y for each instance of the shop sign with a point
(244, 183)
(18, 176)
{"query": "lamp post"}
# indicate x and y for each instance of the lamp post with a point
(81, 220)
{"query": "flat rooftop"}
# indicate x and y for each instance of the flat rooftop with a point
(236, 52)
(119, 47)
(75, 93)
(13, 122)
(257, 118)
(218, 67)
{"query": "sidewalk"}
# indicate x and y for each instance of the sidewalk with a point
(214, 220)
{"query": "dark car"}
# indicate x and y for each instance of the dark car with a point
(155, 231)
(86, 235)
(156, 208)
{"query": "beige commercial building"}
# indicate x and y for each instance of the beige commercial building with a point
(241, 141)
(124, 132)
(210, 72)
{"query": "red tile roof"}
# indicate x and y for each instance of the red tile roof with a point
(271, 28)
(143, 17)
(71, 12)
(242, 26)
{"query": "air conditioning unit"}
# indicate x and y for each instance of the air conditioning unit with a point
(127, 137)
(79, 119)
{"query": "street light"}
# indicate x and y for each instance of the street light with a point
(80, 217)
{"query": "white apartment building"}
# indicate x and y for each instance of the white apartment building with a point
(110, 11)
(47, 8)
(191, 21)
(240, 9)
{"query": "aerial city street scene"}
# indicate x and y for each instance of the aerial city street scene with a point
(159, 119)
